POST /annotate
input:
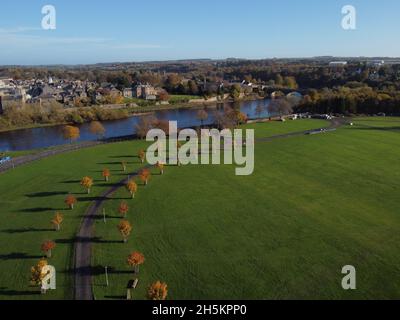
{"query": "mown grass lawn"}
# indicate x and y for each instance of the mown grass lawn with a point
(313, 205)
(30, 196)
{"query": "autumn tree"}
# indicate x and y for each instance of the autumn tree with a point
(202, 115)
(280, 106)
(135, 260)
(144, 176)
(57, 221)
(144, 125)
(106, 174)
(163, 95)
(241, 118)
(70, 201)
(97, 129)
(160, 166)
(157, 291)
(37, 274)
(47, 248)
(87, 183)
(123, 209)
(125, 229)
(131, 186)
(142, 156)
(71, 133)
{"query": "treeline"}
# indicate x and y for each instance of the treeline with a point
(52, 113)
(346, 100)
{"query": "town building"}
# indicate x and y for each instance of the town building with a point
(146, 92)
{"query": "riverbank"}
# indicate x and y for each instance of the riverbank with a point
(131, 111)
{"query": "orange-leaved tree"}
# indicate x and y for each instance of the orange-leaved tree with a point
(36, 273)
(47, 247)
(160, 167)
(87, 183)
(71, 133)
(135, 259)
(106, 174)
(97, 129)
(142, 156)
(70, 201)
(144, 176)
(157, 291)
(131, 186)
(123, 209)
(57, 221)
(125, 229)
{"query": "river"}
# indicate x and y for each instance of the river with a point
(27, 139)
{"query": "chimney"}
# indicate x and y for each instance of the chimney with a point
(1, 105)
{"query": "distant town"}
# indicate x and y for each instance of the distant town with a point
(133, 87)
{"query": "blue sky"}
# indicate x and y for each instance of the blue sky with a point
(91, 31)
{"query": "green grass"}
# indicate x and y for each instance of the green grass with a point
(313, 205)
(30, 196)
(175, 98)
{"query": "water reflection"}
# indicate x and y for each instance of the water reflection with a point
(52, 136)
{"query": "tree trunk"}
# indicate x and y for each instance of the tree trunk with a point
(72, 206)
(125, 240)
(48, 254)
(58, 227)
(162, 172)
(133, 195)
(88, 191)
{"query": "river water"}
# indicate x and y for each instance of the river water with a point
(34, 138)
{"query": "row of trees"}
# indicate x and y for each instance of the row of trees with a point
(53, 113)
(351, 100)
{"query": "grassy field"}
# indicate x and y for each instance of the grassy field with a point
(313, 205)
(30, 196)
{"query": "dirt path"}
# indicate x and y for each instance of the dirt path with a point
(83, 244)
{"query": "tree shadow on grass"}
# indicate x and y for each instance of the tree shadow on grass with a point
(18, 256)
(46, 194)
(123, 156)
(87, 240)
(70, 181)
(91, 199)
(110, 185)
(108, 163)
(115, 297)
(40, 209)
(7, 292)
(26, 230)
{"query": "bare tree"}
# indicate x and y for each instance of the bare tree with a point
(280, 106)
(145, 124)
